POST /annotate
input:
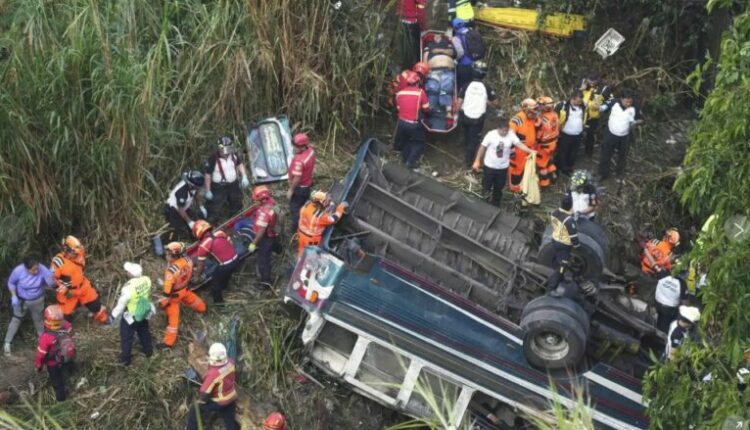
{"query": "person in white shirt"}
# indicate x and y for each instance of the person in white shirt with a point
(136, 308)
(584, 194)
(573, 115)
(622, 117)
(223, 173)
(473, 99)
(493, 157)
(669, 295)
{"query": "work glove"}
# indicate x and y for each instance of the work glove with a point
(209, 195)
(289, 194)
(252, 247)
(203, 212)
(15, 302)
(476, 166)
(191, 224)
(245, 182)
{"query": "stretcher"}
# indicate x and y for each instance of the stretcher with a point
(442, 93)
(554, 24)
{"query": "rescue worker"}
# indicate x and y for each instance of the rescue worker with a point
(54, 349)
(135, 307)
(264, 228)
(414, 22)
(463, 58)
(670, 293)
(680, 329)
(178, 207)
(26, 285)
(493, 157)
(300, 174)
(73, 287)
(462, 9)
(546, 141)
(402, 80)
(217, 393)
(564, 238)
(217, 245)
(595, 94)
(473, 99)
(275, 421)
(315, 217)
(622, 117)
(177, 276)
(422, 69)
(573, 114)
(523, 124)
(411, 103)
(657, 254)
(223, 173)
(584, 194)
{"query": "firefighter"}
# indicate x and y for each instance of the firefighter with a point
(413, 21)
(546, 141)
(177, 276)
(523, 125)
(411, 103)
(217, 245)
(135, 307)
(264, 228)
(657, 254)
(223, 173)
(73, 287)
(402, 80)
(27, 283)
(595, 94)
(300, 174)
(680, 329)
(317, 214)
(564, 238)
(55, 349)
(178, 207)
(275, 421)
(217, 393)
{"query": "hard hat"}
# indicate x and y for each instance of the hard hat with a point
(133, 269)
(544, 100)
(672, 236)
(275, 421)
(458, 23)
(226, 146)
(411, 77)
(175, 248)
(53, 317)
(479, 68)
(579, 178)
(422, 68)
(72, 246)
(193, 178)
(301, 139)
(217, 354)
(319, 196)
(690, 314)
(529, 104)
(200, 228)
(261, 192)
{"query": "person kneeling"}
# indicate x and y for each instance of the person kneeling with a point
(217, 393)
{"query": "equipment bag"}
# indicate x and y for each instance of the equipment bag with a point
(474, 44)
(65, 349)
(142, 309)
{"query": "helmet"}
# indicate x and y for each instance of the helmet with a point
(479, 68)
(53, 317)
(301, 139)
(672, 236)
(458, 23)
(529, 105)
(175, 248)
(200, 228)
(217, 354)
(261, 192)
(319, 197)
(133, 269)
(422, 68)
(690, 314)
(275, 421)
(72, 246)
(193, 178)
(411, 77)
(580, 178)
(226, 146)
(544, 100)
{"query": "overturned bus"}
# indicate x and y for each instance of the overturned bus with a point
(433, 303)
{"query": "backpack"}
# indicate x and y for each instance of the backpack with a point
(65, 349)
(142, 309)
(474, 45)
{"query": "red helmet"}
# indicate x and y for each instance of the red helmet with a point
(275, 421)
(422, 68)
(200, 228)
(301, 139)
(53, 317)
(411, 77)
(261, 192)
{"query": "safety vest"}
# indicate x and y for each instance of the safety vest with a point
(549, 128)
(141, 289)
(178, 274)
(594, 95)
(314, 219)
(464, 10)
(660, 251)
(524, 127)
(564, 229)
(67, 272)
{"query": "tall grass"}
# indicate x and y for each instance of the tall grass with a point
(102, 103)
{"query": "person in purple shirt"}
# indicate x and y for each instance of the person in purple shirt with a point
(26, 284)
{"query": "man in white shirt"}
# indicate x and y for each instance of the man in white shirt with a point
(670, 293)
(494, 157)
(573, 116)
(622, 117)
(224, 172)
(473, 99)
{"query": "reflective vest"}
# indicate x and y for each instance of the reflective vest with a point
(218, 383)
(549, 128)
(141, 289)
(463, 9)
(564, 229)
(178, 274)
(595, 95)
(524, 127)
(660, 251)
(68, 273)
(314, 219)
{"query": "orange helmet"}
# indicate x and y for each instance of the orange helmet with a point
(275, 421)
(175, 248)
(301, 139)
(53, 317)
(422, 68)
(72, 246)
(261, 192)
(672, 236)
(200, 228)
(319, 196)
(411, 77)
(544, 100)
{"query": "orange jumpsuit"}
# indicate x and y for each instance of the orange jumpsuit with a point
(176, 280)
(313, 220)
(661, 251)
(525, 129)
(74, 287)
(546, 144)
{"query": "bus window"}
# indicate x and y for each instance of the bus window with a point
(382, 369)
(333, 347)
(434, 396)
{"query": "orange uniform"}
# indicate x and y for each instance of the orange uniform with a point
(313, 220)
(546, 144)
(74, 287)
(176, 280)
(525, 129)
(661, 252)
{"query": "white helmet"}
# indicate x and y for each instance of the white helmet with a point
(217, 354)
(133, 269)
(690, 313)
